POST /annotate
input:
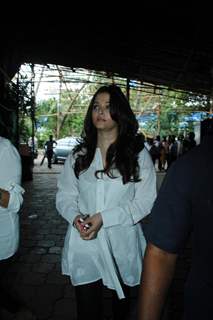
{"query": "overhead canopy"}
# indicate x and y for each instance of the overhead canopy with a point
(172, 46)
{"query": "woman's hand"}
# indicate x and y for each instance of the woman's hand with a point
(95, 223)
(77, 223)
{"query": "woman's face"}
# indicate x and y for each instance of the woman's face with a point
(101, 117)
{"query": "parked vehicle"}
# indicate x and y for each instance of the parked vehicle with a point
(63, 148)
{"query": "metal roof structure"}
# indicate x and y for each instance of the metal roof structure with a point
(169, 45)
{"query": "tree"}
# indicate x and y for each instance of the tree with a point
(46, 119)
(64, 116)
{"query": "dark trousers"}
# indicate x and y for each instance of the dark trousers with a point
(89, 301)
(49, 154)
(7, 300)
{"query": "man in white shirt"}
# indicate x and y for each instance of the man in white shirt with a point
(10, 202)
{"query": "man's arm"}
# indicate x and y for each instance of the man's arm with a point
(10, 178)
(4, 198)
(158, 271)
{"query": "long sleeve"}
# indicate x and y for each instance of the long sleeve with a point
(10, 176)
(67, 194)
(132, 211)
(122, 206)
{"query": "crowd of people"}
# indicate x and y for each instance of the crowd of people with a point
(106, 187)
(168, 149)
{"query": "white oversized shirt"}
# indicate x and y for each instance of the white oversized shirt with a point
(10, 180)
(117, 251)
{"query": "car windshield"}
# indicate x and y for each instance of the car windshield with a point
(62, 142)
(67, 141)
(63, 148)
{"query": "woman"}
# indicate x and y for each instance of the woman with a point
(110, 177)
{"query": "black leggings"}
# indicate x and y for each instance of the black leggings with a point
(90, 302)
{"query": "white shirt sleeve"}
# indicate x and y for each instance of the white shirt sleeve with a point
(145, 193)
(10, 175)
(68, 193)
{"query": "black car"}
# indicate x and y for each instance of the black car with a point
(63, 148)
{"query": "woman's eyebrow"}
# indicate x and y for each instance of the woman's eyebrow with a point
(97, 102)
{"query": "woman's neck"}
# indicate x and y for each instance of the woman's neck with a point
(105, 139)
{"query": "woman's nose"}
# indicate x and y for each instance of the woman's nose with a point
(100, 111)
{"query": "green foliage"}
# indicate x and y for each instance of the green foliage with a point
(25, 128)
(172, 107)
(65, 116)
(73, 126)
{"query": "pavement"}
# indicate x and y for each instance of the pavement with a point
(36, 276)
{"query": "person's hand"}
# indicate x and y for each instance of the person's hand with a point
(95, 223)
(79, 226)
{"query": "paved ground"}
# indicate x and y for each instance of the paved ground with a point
(36, 274)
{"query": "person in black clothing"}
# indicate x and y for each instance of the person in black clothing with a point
(184, 206)
(189, 142)
(49, 150)
(192, 142)
(153, 150)
(172, 154)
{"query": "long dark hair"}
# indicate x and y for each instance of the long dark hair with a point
(123, 153)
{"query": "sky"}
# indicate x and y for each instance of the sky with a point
(47, 83)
